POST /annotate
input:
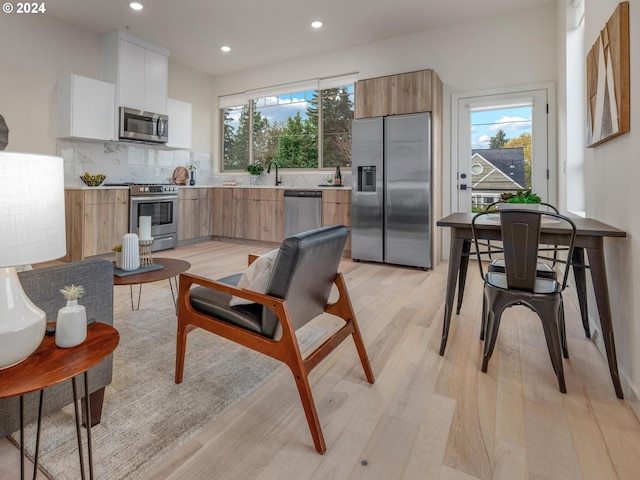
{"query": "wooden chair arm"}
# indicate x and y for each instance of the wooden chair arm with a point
(252, 258)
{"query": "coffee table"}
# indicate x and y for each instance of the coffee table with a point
(172, 268)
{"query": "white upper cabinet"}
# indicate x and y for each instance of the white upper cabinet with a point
(131, 81)
(138, 68)
(179, 123)
(86, 108)
(156, 82)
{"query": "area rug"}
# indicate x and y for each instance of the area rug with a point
(146, 415)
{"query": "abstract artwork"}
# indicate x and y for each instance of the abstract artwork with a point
(608, 81)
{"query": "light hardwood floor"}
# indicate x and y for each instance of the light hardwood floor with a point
(426, 417)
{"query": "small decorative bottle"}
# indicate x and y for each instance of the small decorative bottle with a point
(71, 324)
(337, 180)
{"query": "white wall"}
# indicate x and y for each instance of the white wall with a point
(36, 50)
(612, 171)
(510, 50)
(197, 89)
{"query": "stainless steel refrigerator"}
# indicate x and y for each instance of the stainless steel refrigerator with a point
(391, 190)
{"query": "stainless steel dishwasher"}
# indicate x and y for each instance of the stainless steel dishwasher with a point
(302, 211)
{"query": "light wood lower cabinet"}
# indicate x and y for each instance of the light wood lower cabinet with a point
(96, 220)
(249, 213)
(258, 213)
(195, 213)
(336, 210)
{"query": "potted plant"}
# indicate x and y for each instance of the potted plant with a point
(520, 199)
(255, 170)
(118, 250)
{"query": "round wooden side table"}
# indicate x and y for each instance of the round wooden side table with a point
(50, 365)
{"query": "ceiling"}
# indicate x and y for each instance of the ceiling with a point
(269, 31)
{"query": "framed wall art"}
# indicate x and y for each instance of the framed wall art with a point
(608, 80)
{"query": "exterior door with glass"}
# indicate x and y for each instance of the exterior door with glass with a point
(502, 145)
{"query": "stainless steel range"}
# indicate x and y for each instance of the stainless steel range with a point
(160, 202)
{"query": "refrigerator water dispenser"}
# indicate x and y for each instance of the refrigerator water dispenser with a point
(367, 178)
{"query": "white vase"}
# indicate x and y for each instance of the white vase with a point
(71, 325)
(253, 179)
(130, 252)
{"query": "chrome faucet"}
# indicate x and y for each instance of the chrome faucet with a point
(278, 182)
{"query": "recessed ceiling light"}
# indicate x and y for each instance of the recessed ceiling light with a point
(316, 24)
(225, 48)
(136, 5)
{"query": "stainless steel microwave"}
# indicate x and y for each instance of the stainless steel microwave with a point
(143, 126)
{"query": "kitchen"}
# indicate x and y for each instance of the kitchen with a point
(48, 49)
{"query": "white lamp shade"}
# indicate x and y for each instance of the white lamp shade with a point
(33, 231)
(32, 218)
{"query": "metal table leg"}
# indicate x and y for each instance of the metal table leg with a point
(87, 411)
(35, 459)
(78, 430)
(21, 437)
(131, 296)
(174, 295)
(455, 256)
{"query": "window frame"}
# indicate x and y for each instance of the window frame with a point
(250, 100)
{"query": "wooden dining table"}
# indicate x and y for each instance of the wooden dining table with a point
(590, 236)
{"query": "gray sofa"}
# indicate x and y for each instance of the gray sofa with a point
(42, 285)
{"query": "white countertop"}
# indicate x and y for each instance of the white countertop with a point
(279, 187)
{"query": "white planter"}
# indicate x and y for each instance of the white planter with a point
(71, 325)
(118, 259)
(130, 252)
(253, 179)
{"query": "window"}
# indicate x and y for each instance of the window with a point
(304, 129)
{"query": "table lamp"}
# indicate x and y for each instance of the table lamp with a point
(32, 230)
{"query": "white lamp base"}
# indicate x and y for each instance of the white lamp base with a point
(22, 324)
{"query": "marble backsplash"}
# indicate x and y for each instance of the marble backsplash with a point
(124, 162)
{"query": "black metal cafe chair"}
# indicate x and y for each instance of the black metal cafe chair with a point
(520, 284)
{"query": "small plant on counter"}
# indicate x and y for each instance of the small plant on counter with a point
(521, 196)
(255, 169)
(72, 292)
(116, 248)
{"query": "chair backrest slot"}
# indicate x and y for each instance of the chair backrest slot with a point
(520, 234)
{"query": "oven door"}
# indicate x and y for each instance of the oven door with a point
(163, 210)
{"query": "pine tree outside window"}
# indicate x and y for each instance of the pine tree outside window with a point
(307, 129)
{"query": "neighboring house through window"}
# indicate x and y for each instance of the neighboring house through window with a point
(494, 171)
